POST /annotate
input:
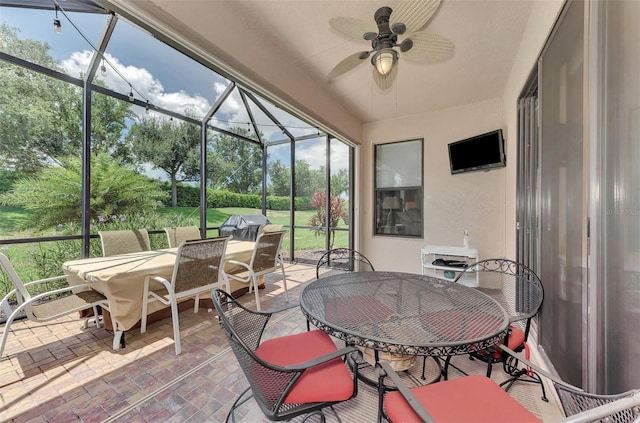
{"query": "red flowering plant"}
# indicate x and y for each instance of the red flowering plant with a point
(337, 211)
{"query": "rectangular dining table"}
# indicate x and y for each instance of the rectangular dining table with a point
(121, 277)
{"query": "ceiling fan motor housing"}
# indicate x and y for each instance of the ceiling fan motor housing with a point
(386, 38)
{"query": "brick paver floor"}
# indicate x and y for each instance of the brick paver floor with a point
(61, 372)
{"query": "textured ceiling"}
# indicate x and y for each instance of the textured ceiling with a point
(290, 45)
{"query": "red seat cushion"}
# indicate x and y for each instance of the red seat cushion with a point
(327, 382)
(473, 398)
(515, 341)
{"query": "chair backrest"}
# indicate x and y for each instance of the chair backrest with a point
(21, 292)
(344, 259)
(265, 253)
(199, 263)
(519, 289)
(574, 402)
(176, 236)
(123, 242)
(244, 329)
(269, 227)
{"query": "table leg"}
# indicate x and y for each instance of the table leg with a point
(413, 375)
(118, 340)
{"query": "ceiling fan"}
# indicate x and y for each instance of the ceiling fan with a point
(418, 46)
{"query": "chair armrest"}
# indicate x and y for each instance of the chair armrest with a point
(538, 370)
(54, 278)
(163, 281)
(625, 403)
(57, 291)
(605, 410)
(322, 359)
(241, 264)
(385, 369)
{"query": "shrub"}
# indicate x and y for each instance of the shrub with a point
(55, 195)
(337, 211)
(7, 179)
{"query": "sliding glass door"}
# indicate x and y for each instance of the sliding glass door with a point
(563, 202)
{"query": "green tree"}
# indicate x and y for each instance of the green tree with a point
(55, 195)
(340, 182)
(40, 116)
(279, 177)
(108, 125)
(168, 145)
(308, 180)
(337, 212)
(234, 164)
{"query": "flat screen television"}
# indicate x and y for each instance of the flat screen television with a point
(482, 152)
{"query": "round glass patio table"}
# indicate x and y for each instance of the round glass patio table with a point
(404, 313)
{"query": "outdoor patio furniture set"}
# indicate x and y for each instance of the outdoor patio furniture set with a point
(130, 284)
(380, 316)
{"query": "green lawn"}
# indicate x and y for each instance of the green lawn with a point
(35, 260)
(305, 239)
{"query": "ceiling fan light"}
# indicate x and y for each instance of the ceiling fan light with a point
(384, 60)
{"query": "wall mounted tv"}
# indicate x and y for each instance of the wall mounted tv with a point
(482, 152)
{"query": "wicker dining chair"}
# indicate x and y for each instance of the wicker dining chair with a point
(344, 259)
(289, 376)
(123, 242)
(479, 398)
(264, 259)
(198, 269)
(67, 300)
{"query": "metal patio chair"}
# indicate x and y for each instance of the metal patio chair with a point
(289, 376)
(265, 259)
(67, 300)
(519, 291)
(344, 259)
(175, 236)
(123, 242)
(478, 398)
(198, 269)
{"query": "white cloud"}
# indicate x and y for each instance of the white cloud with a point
(232, 112)
(143, 84)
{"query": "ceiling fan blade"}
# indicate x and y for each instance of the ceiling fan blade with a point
(414, 14)
(384, 82)
(347, 64)
(429, 47)
(351, 27)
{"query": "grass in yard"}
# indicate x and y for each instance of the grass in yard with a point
(25, 256)
(10, 217)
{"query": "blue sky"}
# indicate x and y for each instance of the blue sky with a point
(155, 71)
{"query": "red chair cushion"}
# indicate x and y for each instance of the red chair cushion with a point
(515, 342)
(473, 398)
(327, 382)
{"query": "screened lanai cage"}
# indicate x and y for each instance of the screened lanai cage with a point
(103, 131)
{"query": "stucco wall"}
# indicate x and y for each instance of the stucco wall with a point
(482, 202)
(452, 203)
